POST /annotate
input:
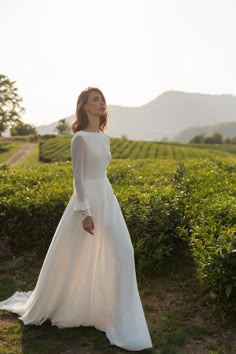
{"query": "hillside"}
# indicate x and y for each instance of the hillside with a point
(58, 149)
(165, 116)
(226, 129)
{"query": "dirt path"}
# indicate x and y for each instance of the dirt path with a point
(20, 154)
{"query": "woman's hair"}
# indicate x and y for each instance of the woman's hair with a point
(81, 120)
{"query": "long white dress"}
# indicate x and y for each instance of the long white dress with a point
(89, 280)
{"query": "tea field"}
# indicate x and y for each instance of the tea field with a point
(58, 149)
(179, 205)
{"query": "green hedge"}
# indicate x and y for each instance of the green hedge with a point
(210, 225)
(166, 205)
(58, 150)
(33, 200)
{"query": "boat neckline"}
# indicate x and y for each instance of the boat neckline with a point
(90, 132)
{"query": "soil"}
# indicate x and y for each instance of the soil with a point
(20, 154)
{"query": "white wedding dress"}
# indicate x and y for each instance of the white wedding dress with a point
(89, 280)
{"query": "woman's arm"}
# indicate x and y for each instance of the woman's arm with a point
(78, 161)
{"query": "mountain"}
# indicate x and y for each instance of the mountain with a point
(165, 116)
(51, 128)
(228, 130)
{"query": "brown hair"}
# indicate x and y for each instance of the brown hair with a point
(81, 120)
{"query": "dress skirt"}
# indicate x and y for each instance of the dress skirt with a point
(89, 280)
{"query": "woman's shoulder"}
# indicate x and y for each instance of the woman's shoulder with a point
(78, 133)
(106, 134)
(87, 133)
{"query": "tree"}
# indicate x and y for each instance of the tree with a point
(63, 127)
(164, 139)
(209, 140)
(21, 128)
(10, 104)
(233, 140)
(197, 139)
(217, 137)
(227, 141)
(124, 137)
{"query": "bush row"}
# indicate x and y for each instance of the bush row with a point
(33, 201)
(58, 150)
(210, 224)
(164, 204)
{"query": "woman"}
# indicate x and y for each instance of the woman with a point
(88, 276)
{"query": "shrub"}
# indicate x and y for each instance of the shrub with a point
(32, 203)
(210, 226)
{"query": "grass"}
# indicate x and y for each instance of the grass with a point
(10, 146)
(7, 149)
(32, 159)
(180, 319)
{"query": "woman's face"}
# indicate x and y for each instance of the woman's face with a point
(95, 104)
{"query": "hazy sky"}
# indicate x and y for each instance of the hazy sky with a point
(134, 50)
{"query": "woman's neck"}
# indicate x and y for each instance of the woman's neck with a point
(93, 127)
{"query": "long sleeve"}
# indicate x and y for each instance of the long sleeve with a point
(78, 162)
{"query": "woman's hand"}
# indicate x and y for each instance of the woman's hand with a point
(88, 224)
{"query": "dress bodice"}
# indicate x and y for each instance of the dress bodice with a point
(90, 153)
(97, 154)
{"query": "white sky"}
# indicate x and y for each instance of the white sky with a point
(134, 50)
